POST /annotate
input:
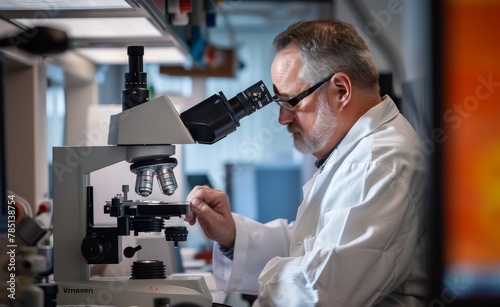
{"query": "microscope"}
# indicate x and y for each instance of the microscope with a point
(144, 134)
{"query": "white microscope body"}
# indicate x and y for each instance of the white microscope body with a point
(143, 135)
(77, 244)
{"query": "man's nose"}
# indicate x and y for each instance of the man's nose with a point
(285, 116)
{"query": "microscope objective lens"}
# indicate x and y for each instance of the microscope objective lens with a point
(166, 180)
(144, 182)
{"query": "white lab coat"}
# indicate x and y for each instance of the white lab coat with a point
(358, 239)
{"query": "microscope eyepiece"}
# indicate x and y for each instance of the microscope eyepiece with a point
(135, 58)
(135, 90)
(216, 117)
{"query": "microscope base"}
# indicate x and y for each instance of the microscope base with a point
(122, 291)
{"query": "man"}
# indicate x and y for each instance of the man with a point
(358, 238)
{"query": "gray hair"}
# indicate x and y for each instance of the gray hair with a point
(329, 46)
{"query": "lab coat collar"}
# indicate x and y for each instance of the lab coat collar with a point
(378, 115)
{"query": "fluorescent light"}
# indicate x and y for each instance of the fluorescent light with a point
(86, 28)
(96, 27)
(153, 55)
(54, 5)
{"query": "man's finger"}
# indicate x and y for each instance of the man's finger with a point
(203, 210)
(190, 218)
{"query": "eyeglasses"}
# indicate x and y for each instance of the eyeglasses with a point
(292, 102)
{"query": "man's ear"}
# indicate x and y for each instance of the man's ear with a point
(343, 88)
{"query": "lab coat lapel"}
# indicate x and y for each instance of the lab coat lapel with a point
(308, 212)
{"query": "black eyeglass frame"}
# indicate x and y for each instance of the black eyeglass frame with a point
(292, 102)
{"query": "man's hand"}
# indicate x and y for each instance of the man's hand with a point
(211, 208)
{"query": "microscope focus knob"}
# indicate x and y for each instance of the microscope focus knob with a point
(95, 247)
(176, 234)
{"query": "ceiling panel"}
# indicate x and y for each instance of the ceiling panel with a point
(99, 23)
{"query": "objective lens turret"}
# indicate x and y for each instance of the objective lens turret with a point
(162, 168)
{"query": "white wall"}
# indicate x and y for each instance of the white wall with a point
(25, 121)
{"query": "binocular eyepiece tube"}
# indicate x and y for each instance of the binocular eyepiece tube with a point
(216, 117)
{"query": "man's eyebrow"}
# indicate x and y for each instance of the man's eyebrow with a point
(277, 93)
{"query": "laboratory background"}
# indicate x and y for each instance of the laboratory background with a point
(71, 108)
